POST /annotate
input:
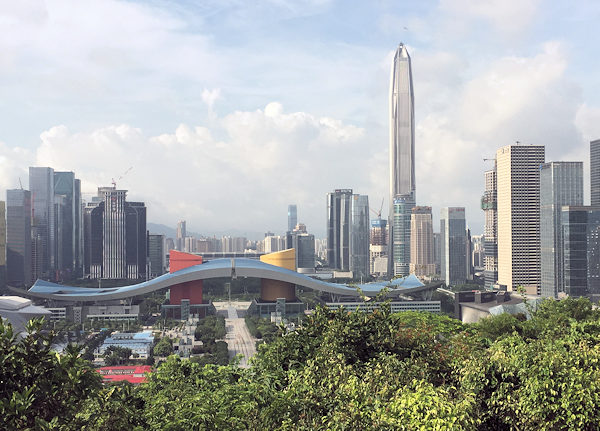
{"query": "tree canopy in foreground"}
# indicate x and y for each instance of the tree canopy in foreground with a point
(339, 371)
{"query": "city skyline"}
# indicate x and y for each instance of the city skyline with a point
(205, 89)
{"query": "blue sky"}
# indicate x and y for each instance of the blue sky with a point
(230, 110)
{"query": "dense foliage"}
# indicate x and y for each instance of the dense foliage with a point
(340, 370)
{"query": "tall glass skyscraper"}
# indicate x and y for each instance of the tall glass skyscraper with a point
(41, 185)
(348, 232)
(402, 158)
(453, 233)
(18, 237)
(561, 184)
(292, 217)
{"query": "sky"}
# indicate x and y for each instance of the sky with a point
(227, 111)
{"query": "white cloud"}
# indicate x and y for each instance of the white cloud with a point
(266, 159)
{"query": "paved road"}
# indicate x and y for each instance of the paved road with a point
(238, 338)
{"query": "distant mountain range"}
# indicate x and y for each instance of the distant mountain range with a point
(170, 232)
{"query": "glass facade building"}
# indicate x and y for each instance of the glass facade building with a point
(41, 185)
(580, 272)
(69, 224)
(18, 237)
(400, 233)
(292, 217)
(348, 232)
(453, 238)
(402, 159)
(422, 263)
(561, 183)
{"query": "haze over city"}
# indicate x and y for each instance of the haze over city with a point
(228, 113)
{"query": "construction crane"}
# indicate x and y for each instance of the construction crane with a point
(378, 213)
(20, 183)
(114, 183)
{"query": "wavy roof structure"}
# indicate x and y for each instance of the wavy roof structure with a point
(235, 267)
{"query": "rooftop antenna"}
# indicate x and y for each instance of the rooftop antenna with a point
(20, 183)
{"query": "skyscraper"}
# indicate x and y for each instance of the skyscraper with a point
(561, 184)
(181, 234)
(580, 240)
(292, 217)
(338, 229)
(489, 205)
(400, 234)
(156, 254)
(402, 158)
(348, 232)
(518, 179)
(379, 246)
(115, 236)
(2, 245)
(18, 237)
(422, 263)
(41, 185)
(453, 238)
(595, 172)
(68, 223)
(359, 237)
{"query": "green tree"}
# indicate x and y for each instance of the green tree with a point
(164, 347)
(40, 389)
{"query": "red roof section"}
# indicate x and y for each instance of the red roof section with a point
(179, 260)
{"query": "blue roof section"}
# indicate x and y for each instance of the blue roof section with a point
(228, 267)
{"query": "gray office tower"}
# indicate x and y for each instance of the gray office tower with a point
(292, 217)
(489, 205)
(41, 185)
(68, 225)
(157, 255)
(402, 161)
(18, 237)
(595, 172)
(580, 273)
(348, 232)
(115, 236)
(561, 184)
(453, 238)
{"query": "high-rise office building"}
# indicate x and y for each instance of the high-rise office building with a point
(402, 158)
(518, 192)
(18, 237)
(292, 217)
(400, 234)
(437, 252)
(561, 184)
(469, 254)
(41, 185)
(489, 205)
(580, 240)
(115, 236)
(304, 244)
(595, 172)
(421, 242)
(181, 234)
(157, 255)
(68, 224)
(359, 237)
(379, 246)
(348, 232)
(2, 245)
(453, 239)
